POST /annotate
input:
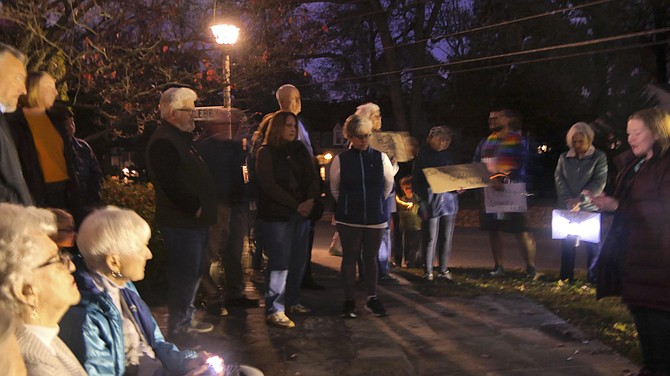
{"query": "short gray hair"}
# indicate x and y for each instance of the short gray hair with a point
(111, 231)
(7, 49)
(174, 98)
(356, 125)
(442, 132)
(582, 128)
(19, 227)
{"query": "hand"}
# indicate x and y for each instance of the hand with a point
(572, 204)
(305, 207)
(605, 203)
(497, 185)
(198, 212)
(410, 205)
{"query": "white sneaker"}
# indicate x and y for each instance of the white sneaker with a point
(280, 319)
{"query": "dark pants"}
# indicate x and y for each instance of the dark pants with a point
(226, 239)
(568, 252)
(411, 248)
(357, 240)
(397, 235)
(187, 260)
(653, 330)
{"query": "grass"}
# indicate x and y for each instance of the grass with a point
(606, 320)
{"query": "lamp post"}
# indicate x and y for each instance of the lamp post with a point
(227, 35)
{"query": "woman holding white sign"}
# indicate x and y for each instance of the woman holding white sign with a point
(580, 172)
(438, 210)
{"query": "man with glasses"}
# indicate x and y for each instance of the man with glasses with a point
(13, 186)
(185, 207)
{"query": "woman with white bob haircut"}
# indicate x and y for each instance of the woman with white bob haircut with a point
(111, 330)
(36, 286)
(581, 172)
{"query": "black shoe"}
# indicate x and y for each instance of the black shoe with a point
(349, 310)
(311, 285)
(388, 279)
(243, 302)
(216, 309)
(374, 306)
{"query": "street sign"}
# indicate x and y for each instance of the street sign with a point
(212, 113)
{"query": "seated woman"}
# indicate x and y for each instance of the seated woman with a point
(37, 287)
(111, 330)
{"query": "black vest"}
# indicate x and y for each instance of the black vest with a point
(361, 200)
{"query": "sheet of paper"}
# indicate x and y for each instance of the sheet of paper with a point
(455, 177)
(512, 199)
(394, 144)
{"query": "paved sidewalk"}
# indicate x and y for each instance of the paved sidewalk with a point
(423, 336)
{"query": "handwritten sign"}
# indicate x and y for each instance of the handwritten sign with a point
(455, 177)
(394, 144)
(511, 199)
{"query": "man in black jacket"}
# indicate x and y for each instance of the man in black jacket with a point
(185, 206)
(13, 186)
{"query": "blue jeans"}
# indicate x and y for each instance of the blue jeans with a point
(286, 247)
(438, 233)
(384, 251)
(187, 261)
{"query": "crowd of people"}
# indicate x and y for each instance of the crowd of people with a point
(69, 307)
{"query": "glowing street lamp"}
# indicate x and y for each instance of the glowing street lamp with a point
(227, 35)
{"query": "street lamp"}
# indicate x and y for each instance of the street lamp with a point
(227, 35)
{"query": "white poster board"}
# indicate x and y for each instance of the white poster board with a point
(583, 224)
(394, 144)
(455, 177)
(511, 199)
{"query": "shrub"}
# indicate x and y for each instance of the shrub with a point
(140, 198)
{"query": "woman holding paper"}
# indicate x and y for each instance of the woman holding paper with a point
(438, 210)
(641, 242)
(580, 173)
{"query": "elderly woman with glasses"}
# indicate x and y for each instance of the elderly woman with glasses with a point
(361, 180)
(112, 331)
(37, 286)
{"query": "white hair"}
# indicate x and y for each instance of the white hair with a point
(175, 98)
(111, 231)
(369, 110)
(19, 228)
(356, 125)
(582, 128)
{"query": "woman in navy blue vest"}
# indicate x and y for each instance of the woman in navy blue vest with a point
(361, 179)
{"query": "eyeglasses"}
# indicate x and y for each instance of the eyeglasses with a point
(363, 136)
(69, 229)
(61, 257)
(186, 110)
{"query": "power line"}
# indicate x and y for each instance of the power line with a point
(486, 27)
(487, 67)
(510, 54)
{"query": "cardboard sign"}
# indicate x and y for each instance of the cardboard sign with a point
(582, 224)
(394, 144)
(455, 177)
(511, 199)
